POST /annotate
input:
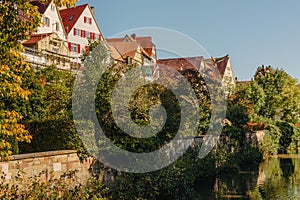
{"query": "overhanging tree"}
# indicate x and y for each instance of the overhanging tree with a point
(18, 18)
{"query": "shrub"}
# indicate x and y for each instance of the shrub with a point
(63, 188)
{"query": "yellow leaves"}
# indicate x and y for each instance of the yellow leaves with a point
(65, 2)
(14, 27)
(11, 130)
(4, 68)
(5, 145)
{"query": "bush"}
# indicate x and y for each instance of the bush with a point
(63, 188)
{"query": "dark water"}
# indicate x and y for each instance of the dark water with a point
(276, 178)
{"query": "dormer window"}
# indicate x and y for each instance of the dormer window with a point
(71, 17)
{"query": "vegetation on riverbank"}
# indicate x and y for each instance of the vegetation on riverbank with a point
(48, 112)
(65, 187)
(36, 107)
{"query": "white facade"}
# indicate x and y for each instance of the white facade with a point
(228, 77)
(86, 28)
(52, 23)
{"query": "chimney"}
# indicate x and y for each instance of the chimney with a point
(133, 36)
(93, 10)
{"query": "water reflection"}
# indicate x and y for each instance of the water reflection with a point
(287, 167)
(276, 178)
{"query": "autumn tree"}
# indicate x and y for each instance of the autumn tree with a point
(17, 20)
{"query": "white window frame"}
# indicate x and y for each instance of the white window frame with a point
(47, 21)
(74, 47)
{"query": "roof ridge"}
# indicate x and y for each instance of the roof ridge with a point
(181, 58)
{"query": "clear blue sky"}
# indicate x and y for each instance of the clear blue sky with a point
(252, 32)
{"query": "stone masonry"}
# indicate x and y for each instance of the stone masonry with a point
(46, 166)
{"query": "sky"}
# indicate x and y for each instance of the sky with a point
(253, 33)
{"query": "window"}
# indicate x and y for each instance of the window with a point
(88, 35)
(74, 47)
(88, 20)
(71, 17)
(92, 36)
(148, 71)
(82, 33)
(47, 21)
(52, 7)
(77, 31)
(57, 26)
(53, 43)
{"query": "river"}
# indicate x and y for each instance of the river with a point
(275, 178)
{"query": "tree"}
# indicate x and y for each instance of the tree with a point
(17, 20)
(273, 95)
(281, 95)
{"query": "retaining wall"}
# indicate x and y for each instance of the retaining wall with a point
(46, 166)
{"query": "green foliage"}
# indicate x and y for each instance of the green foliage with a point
(66, 187)
(271, 143)
(281, 95)
(92, 45)
(172, 182)
(48, 115)
(271, 100)
(237, 115)
(18, 19)
(200, 88)
(287, 131)
(295, 144)
(13, 29)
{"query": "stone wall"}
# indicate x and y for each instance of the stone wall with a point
(46, 166)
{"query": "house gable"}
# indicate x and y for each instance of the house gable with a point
(51, 20)
(70, 16)
(145, 42)
(78, 17)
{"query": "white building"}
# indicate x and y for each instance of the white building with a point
(51, 20)
(81, 26)
(48, 46)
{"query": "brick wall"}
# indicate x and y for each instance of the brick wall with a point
(55, 163)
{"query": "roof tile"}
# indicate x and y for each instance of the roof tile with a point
(71, 15)
(35, 39)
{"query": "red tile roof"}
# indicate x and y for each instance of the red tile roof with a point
(121, 50)
(145, 42)
(71, 15)
(35, 39)
(217, 63)
(194, 63)
(182, 63)
(222, 64)
(179, 64)
(125, 49)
